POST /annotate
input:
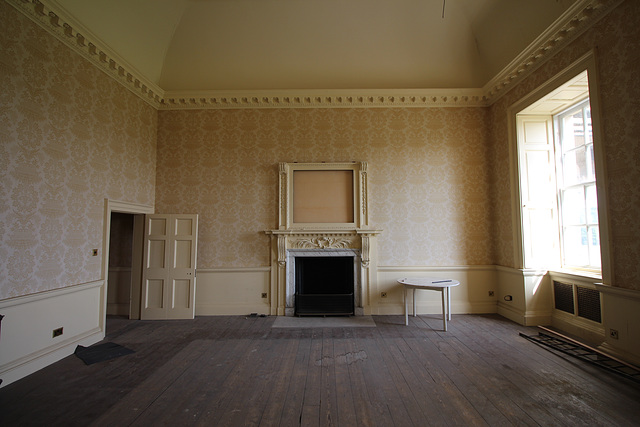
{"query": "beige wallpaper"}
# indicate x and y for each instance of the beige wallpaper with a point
(429, 180)
(617, 40)
(69, 137)
(439, 178)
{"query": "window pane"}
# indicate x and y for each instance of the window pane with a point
(576, 252)
(575, 167)
(572, 131)
(592, 205)
(587, 112)
(573, 207)
(591, 171)
(594, 248)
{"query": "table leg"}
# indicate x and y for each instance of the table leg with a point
(414, 302)
(446, 306)
(406, 307)
(449, 302)
(444, 311)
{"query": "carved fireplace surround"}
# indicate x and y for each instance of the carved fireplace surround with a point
(314, 237)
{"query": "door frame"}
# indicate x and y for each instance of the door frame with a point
(136, 209)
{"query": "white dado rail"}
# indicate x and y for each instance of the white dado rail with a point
(322, 210)
(286, 245)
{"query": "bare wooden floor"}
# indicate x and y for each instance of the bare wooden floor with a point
(237, 371)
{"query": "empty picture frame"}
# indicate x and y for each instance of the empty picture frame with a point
(322, 195)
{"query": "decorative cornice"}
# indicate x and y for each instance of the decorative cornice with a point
(575, 21)
(91, 48)
(321, 98)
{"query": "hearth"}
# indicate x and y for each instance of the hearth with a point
(324, 286)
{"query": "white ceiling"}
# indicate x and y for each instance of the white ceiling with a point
(196, 45)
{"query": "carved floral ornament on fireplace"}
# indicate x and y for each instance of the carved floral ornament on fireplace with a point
(322, 212)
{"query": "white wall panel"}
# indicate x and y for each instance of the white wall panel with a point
(471, 296)
(27, 343)
(231, 291)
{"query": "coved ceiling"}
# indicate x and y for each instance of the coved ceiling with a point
(248, 45)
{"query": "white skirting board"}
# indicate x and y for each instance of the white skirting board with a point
(238, 291)
(27, 343)
(477, 292)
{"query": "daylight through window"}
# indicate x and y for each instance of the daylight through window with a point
(559, 202)
(576, 182)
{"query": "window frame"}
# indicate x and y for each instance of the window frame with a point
(585, 63)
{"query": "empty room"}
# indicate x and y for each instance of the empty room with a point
(305, 212)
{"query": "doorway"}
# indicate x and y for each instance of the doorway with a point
(122, 261)
(120, 278)
(124, 278)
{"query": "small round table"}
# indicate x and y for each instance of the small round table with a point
(430, 284)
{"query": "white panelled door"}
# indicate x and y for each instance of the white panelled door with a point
(169, 278)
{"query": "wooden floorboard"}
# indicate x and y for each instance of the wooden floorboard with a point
(238, 371)
(507, 364)
(534, 373)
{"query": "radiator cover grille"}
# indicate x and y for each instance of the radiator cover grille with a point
(563, 294)
(589, 304)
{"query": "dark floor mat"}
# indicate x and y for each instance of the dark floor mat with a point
(101, 352)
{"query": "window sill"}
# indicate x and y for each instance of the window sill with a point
(574, 275)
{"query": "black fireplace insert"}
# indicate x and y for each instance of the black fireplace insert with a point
(324, 286)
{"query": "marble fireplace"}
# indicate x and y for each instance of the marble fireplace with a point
(323, 214)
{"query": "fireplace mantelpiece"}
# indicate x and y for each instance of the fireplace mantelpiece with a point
(287, 244)
(348, 182)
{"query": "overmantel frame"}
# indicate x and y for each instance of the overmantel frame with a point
(360, 195)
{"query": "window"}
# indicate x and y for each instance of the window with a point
(576, 182)
(557, 174)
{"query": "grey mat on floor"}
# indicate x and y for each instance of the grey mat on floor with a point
(101, 352)
(324, 322)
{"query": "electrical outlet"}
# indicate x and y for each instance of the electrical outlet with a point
(57, 332)
(383, 294)
(94, 252)
(490, 293)
(613, 333)
(264, 295)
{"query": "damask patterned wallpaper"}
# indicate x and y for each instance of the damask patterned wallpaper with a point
(429, 180)
(616, 39)
(439, 178)
(69, 137)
